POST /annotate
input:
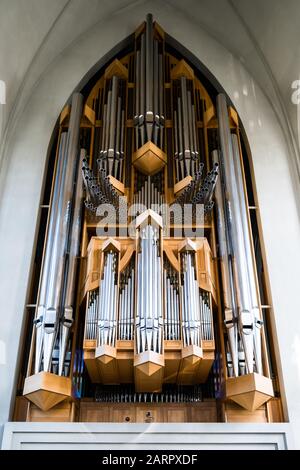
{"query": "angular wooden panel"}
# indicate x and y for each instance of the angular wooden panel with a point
(236, 414)
(116, 68)
(182, 69)
(148, 371)
(63, 412)
(205, 267)
(46, 390)
(250, 391)
(149, 159)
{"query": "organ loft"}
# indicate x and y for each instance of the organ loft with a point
(149, 295)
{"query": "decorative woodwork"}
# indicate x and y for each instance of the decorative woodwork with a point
(149, 159)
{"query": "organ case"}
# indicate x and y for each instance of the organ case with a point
(160, 293)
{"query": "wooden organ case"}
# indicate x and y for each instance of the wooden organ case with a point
(148, 306)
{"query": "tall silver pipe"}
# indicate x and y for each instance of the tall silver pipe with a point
(107, 128)
(187, 150)
(108, 307)
(190, 125)
(227, 274)
(67, 319)
(112, 148)
(142, 96)
(161, 99)
(41, 310)
(118, 135)
(132, 303)
(246, 319)
(194, 131)
(176, 156)
(190, 303)
(181, 143)
(149, 76)
(156, 90)
(60, 232)
(104, 130)
(149, 321)
(249, 255)
(121, 314)
(138, 307)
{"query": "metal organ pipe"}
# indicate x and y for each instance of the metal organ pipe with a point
(56, 244)
(108, 302)
(149, 319)
(171, 289)
(73, 251)
(196, 305)
(185, 131)
(251, 276)
(239, 232)
(40, 315)
(149, 119)
(149, 194)
(185, 125)
(126, 302)
(112, 142)
(149, 75)
(227, 278)
(99, 190)
(91, 316)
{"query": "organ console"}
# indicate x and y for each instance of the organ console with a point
(149, 281)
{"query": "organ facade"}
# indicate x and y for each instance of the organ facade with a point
(149, 298)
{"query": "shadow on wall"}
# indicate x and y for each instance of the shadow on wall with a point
(2, 103)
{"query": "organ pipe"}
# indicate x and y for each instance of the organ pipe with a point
(196, 305)
(126, 302)
(226, 260)
(52, 277)
(112, 143)
(149, 114)
(172, 304)
(185, 132)
(91, 322)
(73, 253)
(250, 262)
(149, 317)
(108, 302)
(238, 238)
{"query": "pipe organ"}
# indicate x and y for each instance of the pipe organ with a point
(133, 303)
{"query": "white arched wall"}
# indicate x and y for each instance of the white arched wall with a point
(24, 164)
